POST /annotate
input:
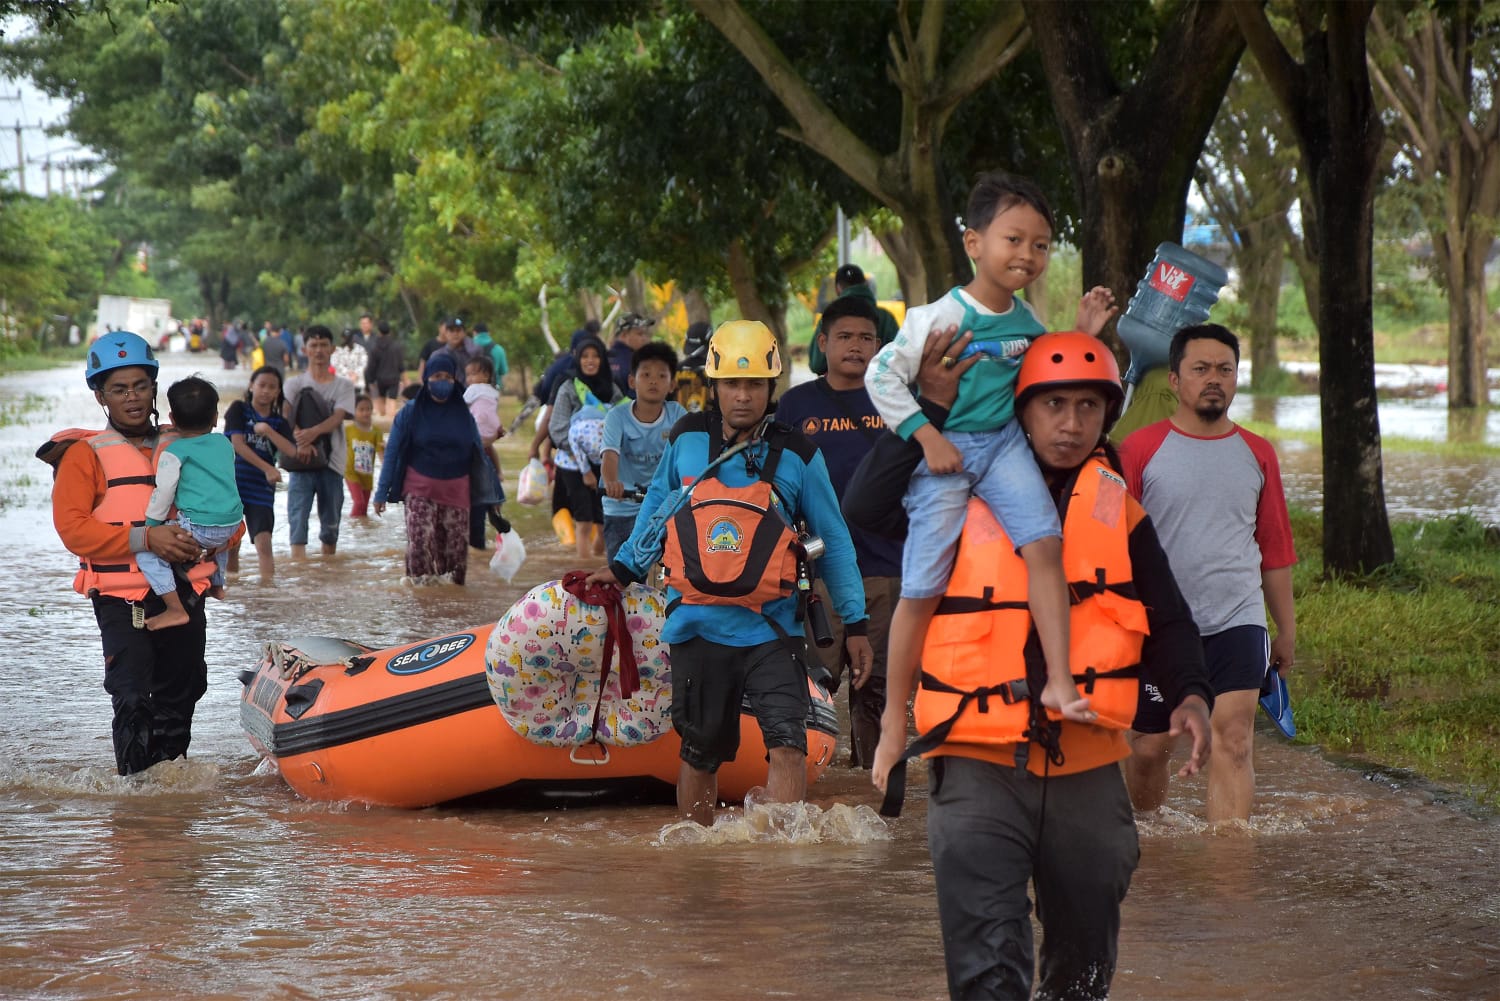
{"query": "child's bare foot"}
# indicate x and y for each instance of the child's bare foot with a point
(166, 620)
(1062, 697)
(216, 591)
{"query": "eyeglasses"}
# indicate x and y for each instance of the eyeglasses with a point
(140, 389)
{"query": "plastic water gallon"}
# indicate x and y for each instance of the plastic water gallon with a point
(1178, 291)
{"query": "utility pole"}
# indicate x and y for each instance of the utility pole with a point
(20, 160)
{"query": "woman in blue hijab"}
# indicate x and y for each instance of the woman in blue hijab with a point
(435, 465)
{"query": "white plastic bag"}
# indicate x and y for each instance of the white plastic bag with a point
(531, 487)
(510, 553)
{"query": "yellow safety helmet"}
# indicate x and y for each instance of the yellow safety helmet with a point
(743, 349)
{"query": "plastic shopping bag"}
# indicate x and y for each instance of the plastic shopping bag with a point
(531, 488)
(510, 553)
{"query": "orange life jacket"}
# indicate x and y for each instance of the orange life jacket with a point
(129, 476)
(981, 660)
(730, 545)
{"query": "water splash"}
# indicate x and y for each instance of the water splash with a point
(163, 779)
(781, 823)
(1275, 813)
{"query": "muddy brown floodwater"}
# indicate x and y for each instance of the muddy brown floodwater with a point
(210, 878)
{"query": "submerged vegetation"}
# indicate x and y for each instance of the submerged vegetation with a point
(1402, 668)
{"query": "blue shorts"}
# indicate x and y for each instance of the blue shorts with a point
(1000, 470)
(617, 529)
(1236, 659)
(259, 518)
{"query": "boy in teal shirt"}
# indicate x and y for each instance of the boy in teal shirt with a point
(981, 449)
(194, 474)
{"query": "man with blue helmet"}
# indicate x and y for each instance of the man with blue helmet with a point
(154, 678)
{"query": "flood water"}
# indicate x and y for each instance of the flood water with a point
(210, 878)
(1417, 484)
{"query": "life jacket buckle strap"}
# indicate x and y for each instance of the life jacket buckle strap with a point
(1015, 691)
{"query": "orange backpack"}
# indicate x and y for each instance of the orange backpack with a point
(732, 545)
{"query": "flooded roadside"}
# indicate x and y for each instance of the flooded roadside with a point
(1417, 484)
(211, 879)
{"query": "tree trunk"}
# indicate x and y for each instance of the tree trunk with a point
(696, 306)
(1461, 256)
(1356, 529)
(1339, 132)
(592, 303)
(215, 292)
(1132, 149)
(1261, 261)
(410, 302)
(908, 181)
(753, 306)
(1425, 67)
(636, 298)
(909, 270)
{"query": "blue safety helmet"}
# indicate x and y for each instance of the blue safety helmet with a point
(118, 349)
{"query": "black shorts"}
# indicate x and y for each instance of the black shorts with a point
(581, 500)
(1235, 659)
(388, 390)
(259, 518)
(710, 681)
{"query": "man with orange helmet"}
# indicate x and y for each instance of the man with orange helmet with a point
(1017, 796)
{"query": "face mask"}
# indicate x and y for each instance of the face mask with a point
(439, 391)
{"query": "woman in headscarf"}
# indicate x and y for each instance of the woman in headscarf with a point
(435, 465)
(577, 430)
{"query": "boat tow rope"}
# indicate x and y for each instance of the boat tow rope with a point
(291, 663)
(616, 636)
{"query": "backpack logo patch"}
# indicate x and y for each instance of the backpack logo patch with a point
(724, 536)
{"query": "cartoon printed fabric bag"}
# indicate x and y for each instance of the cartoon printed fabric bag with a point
(586, 426)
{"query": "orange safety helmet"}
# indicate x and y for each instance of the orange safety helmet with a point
(1071, 359)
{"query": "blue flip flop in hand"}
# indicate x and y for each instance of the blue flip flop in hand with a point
(1277, 704)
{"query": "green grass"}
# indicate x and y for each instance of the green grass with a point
(25, 410)
(17, 358)
(1403, 667)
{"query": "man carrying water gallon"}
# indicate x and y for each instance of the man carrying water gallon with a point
(737, 503)
(1214, 491)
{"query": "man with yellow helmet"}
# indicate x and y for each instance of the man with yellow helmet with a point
(723, 515)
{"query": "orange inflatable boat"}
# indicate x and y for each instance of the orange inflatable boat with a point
(529, 700)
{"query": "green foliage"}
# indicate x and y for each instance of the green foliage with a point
(400, 102)
(1404, 667)
(55, 257)
(622, 192)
